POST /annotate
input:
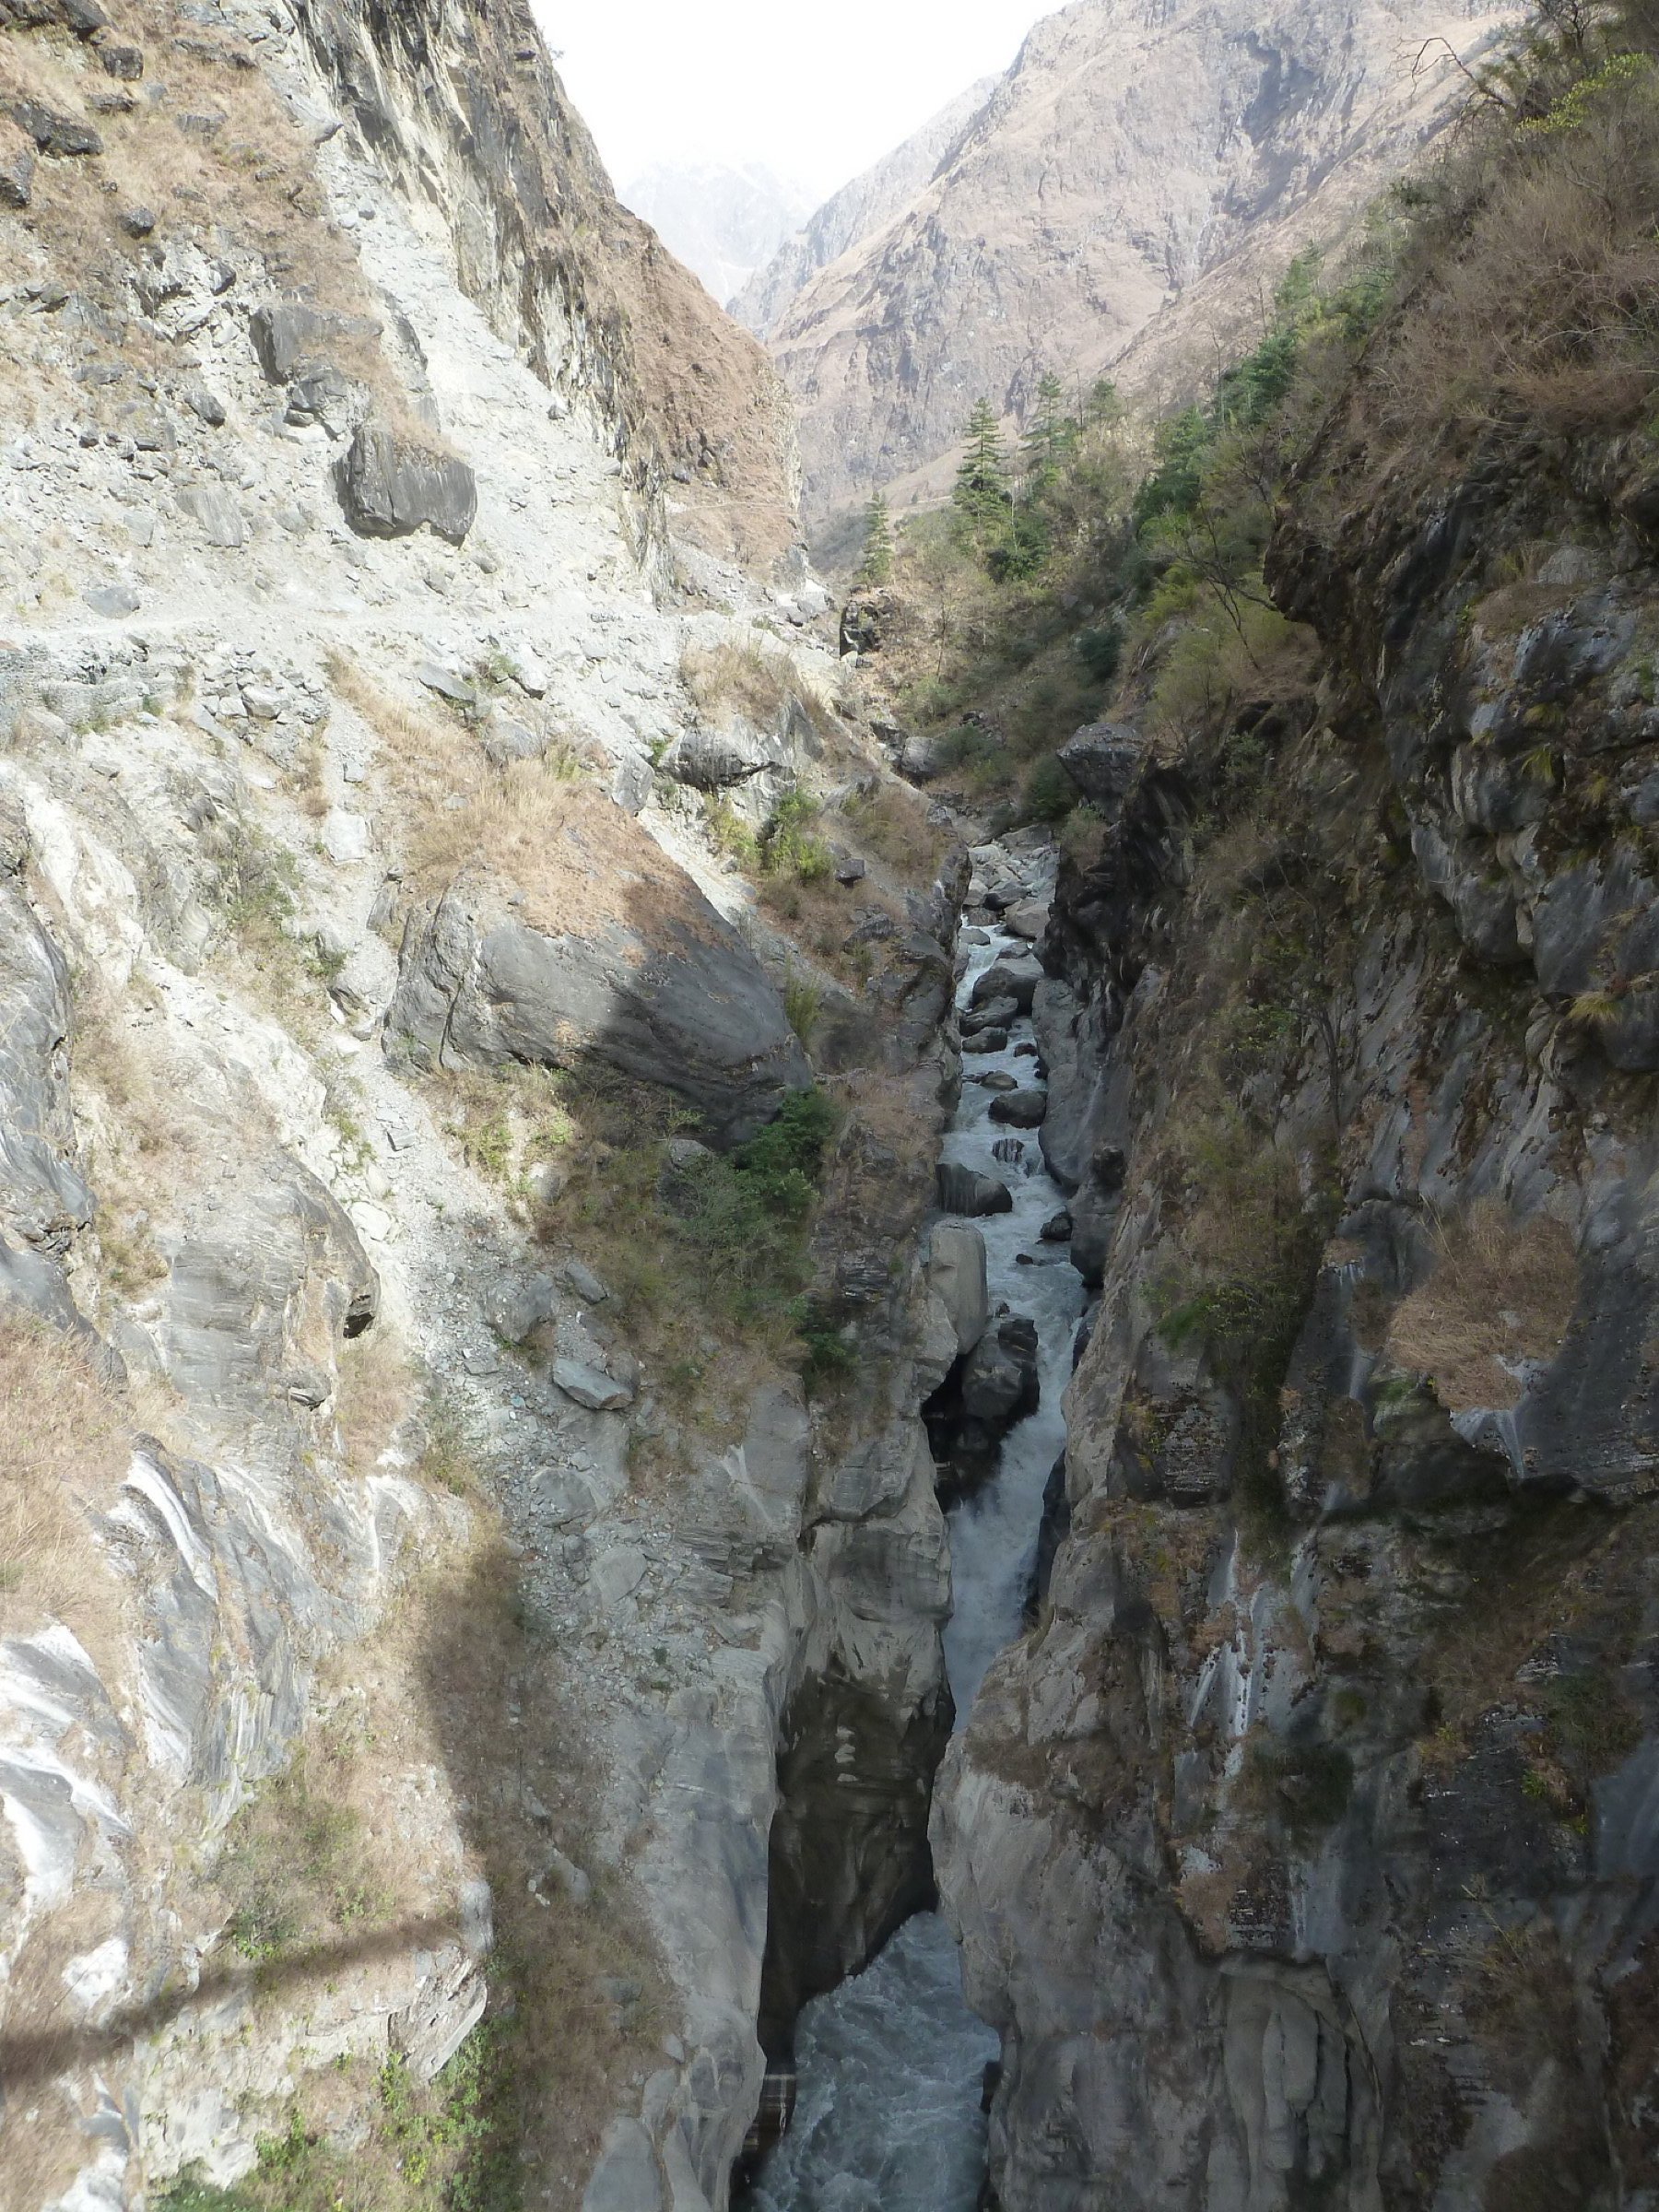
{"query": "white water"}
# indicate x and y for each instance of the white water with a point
(891, 2065)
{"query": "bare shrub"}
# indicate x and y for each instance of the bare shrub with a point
(1502, 1292)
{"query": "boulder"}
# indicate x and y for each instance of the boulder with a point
(711, 760)
(289, 336)
(218, 514)
(995, 1014)
(979, 1402)
(986, 1040)
(54, 131)
(1028, 920)
(996, 1079)
(1057, 1229)
(591, 1386)
(962, 1191)
(1020, 1109)
(619, 956)
(391, 487)
(16, 173)
(1101, 761)
(1008, 979)
(957, 1277)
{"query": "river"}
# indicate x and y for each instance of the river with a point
(891, 2065)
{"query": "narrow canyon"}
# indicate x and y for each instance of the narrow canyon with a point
(830, 1368)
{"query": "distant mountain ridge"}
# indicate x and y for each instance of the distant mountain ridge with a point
(1119, 201)
(858, 210)
(723, 222)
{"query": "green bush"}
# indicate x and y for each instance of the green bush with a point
(1049, 793)
(1101, 650)
(789, 849)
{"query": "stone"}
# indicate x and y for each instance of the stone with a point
(995, 1078)
(121, 61)
(449, 683)
(1007, 979)
(849, 868)
(1103, 762)
(591, 1386)
(669, 991)
(390, 487)
(962, 1191)
(138, 221)
(1057, 1229)
(64, 135)
(995, 1014)
(1020, 1109)
(986, 1040)
(112, 599)
(216, 512)
(17, 175)
(513, 1309)
(584, 1282)
(1028, 920)
(627, 2177)
(956, 1276)
(288, 334)
(204, 405)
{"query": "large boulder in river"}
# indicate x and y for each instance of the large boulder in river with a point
(1016, 979)
(597, 945)
(957, 1277)
(391, 487)
(962, 1191)
(1020, 1109)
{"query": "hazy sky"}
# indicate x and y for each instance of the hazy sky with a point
(817, 93)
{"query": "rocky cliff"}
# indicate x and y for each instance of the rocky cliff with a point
(420, 1216)
(1136, 153)
(1304, 1851)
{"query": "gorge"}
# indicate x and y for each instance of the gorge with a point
(828, 1398)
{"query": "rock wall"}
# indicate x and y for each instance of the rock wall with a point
(1302, 1854)
(356, 795)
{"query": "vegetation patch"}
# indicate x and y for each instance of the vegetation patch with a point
(1503, 1292)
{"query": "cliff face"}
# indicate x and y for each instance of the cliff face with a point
(414, 1528)
(1304, 1854)
(1134, 154)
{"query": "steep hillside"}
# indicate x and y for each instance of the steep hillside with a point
(1303, 1852)
(1133, 151)
(857, 212)
(471, 1000)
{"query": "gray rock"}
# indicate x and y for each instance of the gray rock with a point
(717, 759)
(1020, 1109)
(591, 1386)
(995, 1014)
(683, 1001)
(1057, 1229)
(17, 174)
(514, 1309)
(112, 599)
(216, 512)
(1101, 761)
(849, 868)
(1016, 980)
(123, 63)
(584, 1282)
(204, 404)
(956, 1276)
(1028, 920)
(390, 487)
(995, 1078)
(962, 1191)
(447, 682)
(287, 335)
(52, 132)
(138, 221)
(986, 1040)
(627, 2177)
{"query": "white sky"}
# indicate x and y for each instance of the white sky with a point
(816, 93)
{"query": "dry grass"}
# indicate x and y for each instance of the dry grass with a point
(1502, 1290)
(1539, 317)
(729, 681)
(251, 178)
(375, 1391)
(65, 1450)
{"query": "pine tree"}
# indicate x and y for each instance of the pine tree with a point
(1050, 436)
(982, 498)
(877, 566)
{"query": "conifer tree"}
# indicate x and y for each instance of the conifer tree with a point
(982, 498)
(877, 566)
(1050, 435)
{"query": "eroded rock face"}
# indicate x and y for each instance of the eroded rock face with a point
(1283, 1852)
(689, 1006)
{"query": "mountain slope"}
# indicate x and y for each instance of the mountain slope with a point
(1135, 149)
(859, 210)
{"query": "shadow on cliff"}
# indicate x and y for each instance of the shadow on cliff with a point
(25, 2058)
